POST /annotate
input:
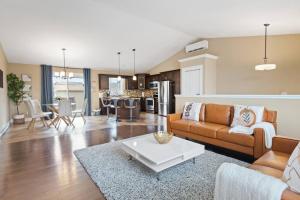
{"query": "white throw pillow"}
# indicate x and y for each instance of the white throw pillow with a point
(291, 174)
(257, 110)
(191, 111)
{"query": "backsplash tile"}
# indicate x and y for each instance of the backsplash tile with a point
(133, 93)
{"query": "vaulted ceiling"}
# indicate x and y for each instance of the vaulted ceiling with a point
(34, 31)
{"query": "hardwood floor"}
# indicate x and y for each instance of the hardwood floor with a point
(41, 165)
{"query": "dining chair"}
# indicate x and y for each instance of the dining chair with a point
(35, 112)
(80, 112)
(65, 112)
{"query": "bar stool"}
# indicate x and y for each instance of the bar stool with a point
(116, 106)
(130, 106)
(107, 106)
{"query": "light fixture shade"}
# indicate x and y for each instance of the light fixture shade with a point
(119, 78)
(265, 67)
(134, 77)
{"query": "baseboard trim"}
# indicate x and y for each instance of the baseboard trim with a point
(4, 128)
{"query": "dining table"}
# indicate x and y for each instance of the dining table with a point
(54, 108)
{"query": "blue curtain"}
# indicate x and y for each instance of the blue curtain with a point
(87, 90)
(47, 86)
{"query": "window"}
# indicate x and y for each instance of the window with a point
(75, 86)
(117, 87)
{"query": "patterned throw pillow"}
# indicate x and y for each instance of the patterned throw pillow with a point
(191, 111)
(244, 115)
(291, 174)
(247, 117)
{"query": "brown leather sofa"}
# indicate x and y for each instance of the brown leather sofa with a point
(274, 162)
(213, 126)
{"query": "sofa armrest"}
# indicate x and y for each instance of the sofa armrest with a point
(284, 144)
(290, 195)
(172, 117)
(259, 142)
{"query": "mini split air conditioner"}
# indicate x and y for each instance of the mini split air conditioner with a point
(196, 46)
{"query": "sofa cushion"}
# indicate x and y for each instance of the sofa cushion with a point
(236, 138)
(206, 129)
(273, 159)
(219, 114)
(182, 124)
(267, 170)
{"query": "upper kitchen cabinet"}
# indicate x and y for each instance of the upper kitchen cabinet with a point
(172, 76)
(103, 81)
(141, 80)
(132, 85)
(152, 78)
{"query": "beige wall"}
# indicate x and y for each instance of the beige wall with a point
(32, 70)
(239, 55)
(4, 110)
(287, 109)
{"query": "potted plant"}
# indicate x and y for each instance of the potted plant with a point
(15, 92)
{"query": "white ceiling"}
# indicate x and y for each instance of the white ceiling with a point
(34, 31)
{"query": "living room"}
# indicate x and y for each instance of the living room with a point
(149, 100)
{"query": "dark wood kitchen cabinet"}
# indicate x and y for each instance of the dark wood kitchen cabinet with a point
(141, 80)
(152, 78)
(103, 81)
(176, 79)
(131, 84)
(172, 76)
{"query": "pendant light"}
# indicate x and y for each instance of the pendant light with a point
(265, 66)
(65, 70)
(134, 76)
(119, 77)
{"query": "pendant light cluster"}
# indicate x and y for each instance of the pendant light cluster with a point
(266, 65)
(119, 57)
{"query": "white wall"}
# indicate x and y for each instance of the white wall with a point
(287, 107)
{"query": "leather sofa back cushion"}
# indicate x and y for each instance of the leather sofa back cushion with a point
(202, 113)
(270, 116)
(219, 114)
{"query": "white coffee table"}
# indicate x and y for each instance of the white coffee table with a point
(159, 157)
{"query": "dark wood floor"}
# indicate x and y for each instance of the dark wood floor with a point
(45, 168)
(40, 164)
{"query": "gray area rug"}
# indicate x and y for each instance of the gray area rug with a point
(120, 178)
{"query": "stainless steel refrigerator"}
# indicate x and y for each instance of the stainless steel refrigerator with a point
(166, 99)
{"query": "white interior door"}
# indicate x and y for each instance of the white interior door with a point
(192, 80)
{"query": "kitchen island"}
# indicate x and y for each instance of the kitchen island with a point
(123, 112)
